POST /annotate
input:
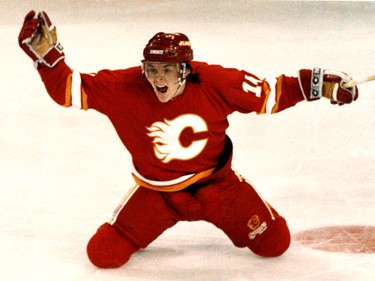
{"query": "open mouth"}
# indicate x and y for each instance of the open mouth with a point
(162, 90)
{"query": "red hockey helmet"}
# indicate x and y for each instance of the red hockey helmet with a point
(168, 47)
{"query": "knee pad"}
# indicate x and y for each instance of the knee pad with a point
(108, 248)
(275, 242)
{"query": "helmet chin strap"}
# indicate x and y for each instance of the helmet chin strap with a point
(181, 83)
(181, 80)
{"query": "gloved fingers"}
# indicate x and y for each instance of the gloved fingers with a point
(29, 29)
(47, 28)
(30, 15)
(44, 19)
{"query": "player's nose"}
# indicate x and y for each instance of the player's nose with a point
(159, 78)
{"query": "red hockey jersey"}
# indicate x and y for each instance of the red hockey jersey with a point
(170, 141)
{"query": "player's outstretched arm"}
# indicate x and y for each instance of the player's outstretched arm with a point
(38, 39)
(318, 82)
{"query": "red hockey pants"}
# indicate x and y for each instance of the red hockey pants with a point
(223, 199)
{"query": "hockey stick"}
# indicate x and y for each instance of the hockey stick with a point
(355, 83)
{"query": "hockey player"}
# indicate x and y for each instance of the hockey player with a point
(171, 114)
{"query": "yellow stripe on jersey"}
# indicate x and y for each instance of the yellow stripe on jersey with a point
(74, 93)
(266, 90)
(85, 105)
(174, 187)
(68, 91)
(279, 85)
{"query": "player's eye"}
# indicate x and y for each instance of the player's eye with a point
(152, 70)
(167, 71)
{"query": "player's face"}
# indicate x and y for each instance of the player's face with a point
(164, 78)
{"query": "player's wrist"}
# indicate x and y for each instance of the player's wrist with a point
(318, 82)
(311, 83)
(52, 56)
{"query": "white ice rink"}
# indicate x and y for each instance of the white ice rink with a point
(63, 171)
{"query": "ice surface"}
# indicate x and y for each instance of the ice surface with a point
(62, 171)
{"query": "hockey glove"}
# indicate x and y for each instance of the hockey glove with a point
(38, 39)
(319, 83)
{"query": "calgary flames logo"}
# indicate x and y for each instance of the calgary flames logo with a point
(257, 228)
(254, 222)
(167, 142)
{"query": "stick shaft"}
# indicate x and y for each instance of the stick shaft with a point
(355, 83)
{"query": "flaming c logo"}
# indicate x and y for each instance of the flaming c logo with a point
(254, 222)
(167, 138)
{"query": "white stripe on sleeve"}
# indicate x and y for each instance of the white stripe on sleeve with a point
(76, 90)
(272, 96)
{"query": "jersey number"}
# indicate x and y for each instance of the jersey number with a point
(252, 85)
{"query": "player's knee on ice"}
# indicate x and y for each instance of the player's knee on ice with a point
(275, 242)
(108, 248)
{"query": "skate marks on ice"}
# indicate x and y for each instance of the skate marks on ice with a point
(354, 239)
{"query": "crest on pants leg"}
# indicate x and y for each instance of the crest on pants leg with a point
(256, 226)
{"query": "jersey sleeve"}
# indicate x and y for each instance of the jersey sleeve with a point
(84, 91)
(286, 93)
(57, 81)
(244, 92)
(266, 95)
